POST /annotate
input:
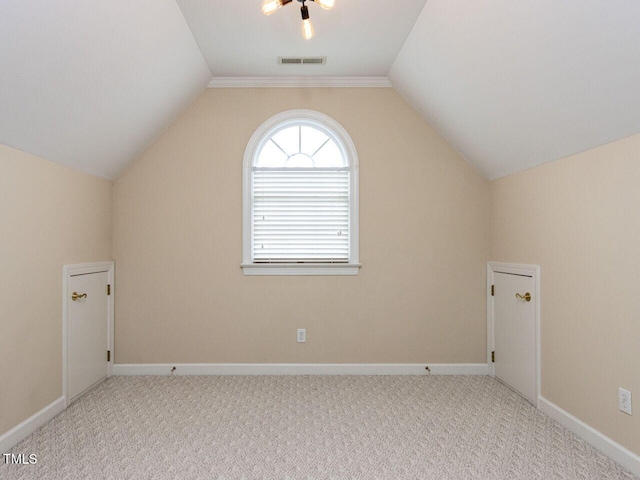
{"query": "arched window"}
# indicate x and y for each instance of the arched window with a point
(300, 204)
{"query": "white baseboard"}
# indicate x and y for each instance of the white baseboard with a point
(624, 457)
(301, 369)
(11, 438)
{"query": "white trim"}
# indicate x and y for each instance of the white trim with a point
(300, 82)
(69, 271)
(301, 369)
(349, 149)
(619, 454)
(21, 431)
(516, 269)
(301, 269)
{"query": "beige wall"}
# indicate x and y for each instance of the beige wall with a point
(49, 216)
(420, 295)
(427, 223)
(579, 219)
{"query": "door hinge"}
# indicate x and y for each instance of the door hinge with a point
(493, 357)
(108, 289)
(108, 355)
(493, 290)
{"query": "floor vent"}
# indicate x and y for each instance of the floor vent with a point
(302, 60)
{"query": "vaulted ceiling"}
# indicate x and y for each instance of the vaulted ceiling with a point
(89, 84)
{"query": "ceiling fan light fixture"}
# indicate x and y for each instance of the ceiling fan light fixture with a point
(326, 4)
(270, 6)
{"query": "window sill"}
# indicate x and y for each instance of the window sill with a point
(300, 269)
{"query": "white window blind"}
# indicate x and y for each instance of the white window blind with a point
(300, 215)
(300, 198)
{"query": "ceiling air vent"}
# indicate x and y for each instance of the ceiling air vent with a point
(302, 60)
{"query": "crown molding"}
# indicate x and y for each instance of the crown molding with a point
(300, 82)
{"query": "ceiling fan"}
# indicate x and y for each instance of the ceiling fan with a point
(270, 6)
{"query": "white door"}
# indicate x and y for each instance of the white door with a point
(515, 332)
(87, 332)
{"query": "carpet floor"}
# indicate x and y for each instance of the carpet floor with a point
(306, 427)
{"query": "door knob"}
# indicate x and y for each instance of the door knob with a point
(526, 296)
(75, 296)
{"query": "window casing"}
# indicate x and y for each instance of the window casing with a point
(300, 198)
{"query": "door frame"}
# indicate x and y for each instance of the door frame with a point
(69, 271)
(515, 269)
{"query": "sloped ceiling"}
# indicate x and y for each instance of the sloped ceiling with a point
(511, 85)
(90, 83)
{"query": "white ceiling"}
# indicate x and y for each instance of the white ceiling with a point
(90, 83)
(513, 84)
(358, 37)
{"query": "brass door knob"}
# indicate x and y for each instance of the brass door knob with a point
(526, 296)
(75, 296)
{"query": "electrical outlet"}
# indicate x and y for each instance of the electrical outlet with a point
(624, 400)
(302, 335)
